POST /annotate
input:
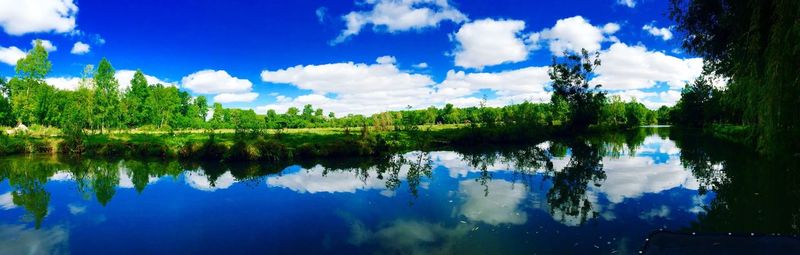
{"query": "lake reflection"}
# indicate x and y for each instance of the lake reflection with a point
(601, 194)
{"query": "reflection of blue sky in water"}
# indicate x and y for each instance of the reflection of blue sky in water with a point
(311, 210)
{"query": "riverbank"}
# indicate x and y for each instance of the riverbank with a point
(268, 146)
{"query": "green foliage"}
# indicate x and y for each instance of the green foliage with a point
(755, 44)
(106, 96)
(570, 77)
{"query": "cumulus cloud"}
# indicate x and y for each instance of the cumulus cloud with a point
(490, 42)
(573, 34)
(46, 44)
(64, 83)
(10, 55)
(33, 16)
(369, 88)
(80, 48)
(422, 65)
(635, 67)
(235, 97)
(652, 100)
(215, 82)
(399, 15)
(663, 32)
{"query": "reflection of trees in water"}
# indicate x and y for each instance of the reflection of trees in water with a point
(568, 196)
(752, 194)
(27, 181)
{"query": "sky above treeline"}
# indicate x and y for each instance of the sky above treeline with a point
(354, 56)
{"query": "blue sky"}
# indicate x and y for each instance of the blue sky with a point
(354, 56)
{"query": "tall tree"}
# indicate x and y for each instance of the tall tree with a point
(570, 77)
(25, 88)
(134, 99)
(106, 96)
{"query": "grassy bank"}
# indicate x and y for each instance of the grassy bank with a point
(267, 146)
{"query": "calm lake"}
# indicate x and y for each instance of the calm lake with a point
(603, 194)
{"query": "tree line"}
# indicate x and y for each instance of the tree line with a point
(98, 105)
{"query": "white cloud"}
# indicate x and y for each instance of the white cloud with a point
(628, 3)
(64, 83)
(625, 178)
(634, 67)
(499, 206)
(399, 15)
(80, 48)
(199, 180)
(422, 65)
(519, 83)
(357, 88)
(10, 55)
(46, 44)
(652, 100)
(386, 60)
(573, 34)
(369, 88)
(235, 97)
(124, 78)
(490, 42)
(33, 16)
(215, 82)
(663, 32)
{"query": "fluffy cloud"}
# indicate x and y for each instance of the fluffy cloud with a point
(215, 82)
(64, 83)
(399, 15)
(529, 81)
(362, 88)
(634, 67)
(573, 34)
(10, 55)
(663, 32)
(490, 42)
(80, 48)
(32, 16)
(7, 201)
(235, 97)
(369, 88)
(46, 44)
(652, 100)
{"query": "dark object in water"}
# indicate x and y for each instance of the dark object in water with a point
(707, 244)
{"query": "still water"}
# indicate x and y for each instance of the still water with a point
(597, 195)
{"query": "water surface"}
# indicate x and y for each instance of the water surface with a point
(602, 194)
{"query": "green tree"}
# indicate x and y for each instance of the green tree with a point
(106, 96)
(134, 100)
(24, 90)
(570, 81)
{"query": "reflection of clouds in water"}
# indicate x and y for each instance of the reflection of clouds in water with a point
(698, 204)
(409, 237)
(7, 201)
(126, 180)
(312, 180)
(61, 176)
(658, 145)
(199, 180)
(76, 209)
(17, 239)
(501, 205)
(659, 212)
(632, 177)
(458, 167)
